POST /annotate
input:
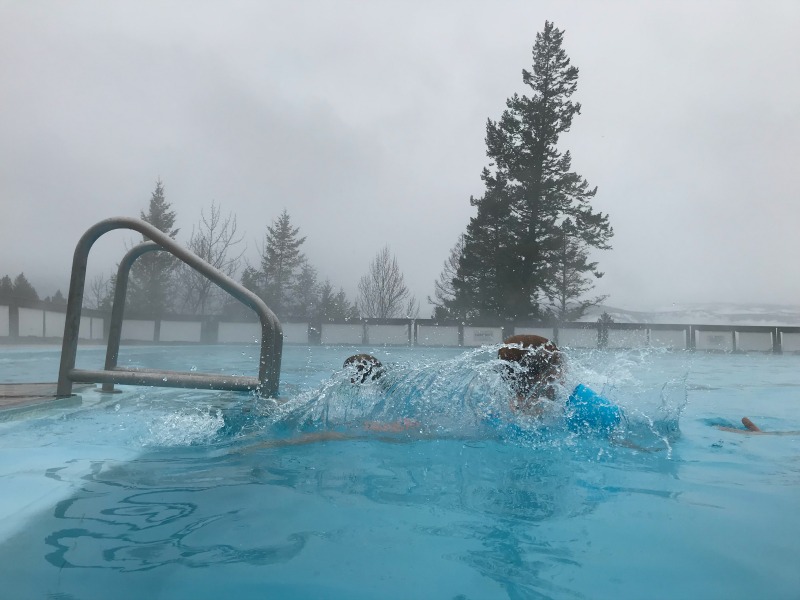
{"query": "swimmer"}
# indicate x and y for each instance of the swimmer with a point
(534, 369)
(363, 367)
(751, 428)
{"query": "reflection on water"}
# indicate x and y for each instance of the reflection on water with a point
(152, 513)
(450, 504)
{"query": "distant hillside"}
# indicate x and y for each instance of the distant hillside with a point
(705, 314)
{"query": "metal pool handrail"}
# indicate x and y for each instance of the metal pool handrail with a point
(271, 331)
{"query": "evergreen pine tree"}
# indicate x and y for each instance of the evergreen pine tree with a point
(6, 290)
(334, 306)
(58, 300)
(252, 280)
(305, 292)
(511, 245)
(23, 291)
(150, 280)
(566, 291)
(280, 260)
(482, 282)
(345, 307)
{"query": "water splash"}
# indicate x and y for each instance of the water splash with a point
(466, 397)
(184, 428)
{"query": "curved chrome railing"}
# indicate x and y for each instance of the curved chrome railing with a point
(271, 332)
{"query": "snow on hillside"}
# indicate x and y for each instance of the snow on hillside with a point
(705, 314)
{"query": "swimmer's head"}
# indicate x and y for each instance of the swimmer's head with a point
(533, 365)
(363, 367)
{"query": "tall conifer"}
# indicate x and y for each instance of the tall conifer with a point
(511, 245)
(23, 290)
(151, 274)
(280, 261)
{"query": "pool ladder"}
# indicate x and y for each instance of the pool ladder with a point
(269, 366)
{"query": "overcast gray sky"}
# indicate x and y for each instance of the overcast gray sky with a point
(366, 121)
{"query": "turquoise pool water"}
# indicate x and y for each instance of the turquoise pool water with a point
(183, 494)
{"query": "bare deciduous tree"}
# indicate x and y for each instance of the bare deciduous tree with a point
(99, 290)
(214, 239)
(382, 292)
(443, 291)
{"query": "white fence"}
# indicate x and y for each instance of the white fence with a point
(437, 335)
(790, 342)
(22, 324)
(41, 323)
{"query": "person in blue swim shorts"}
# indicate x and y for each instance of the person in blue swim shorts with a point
(534, 369)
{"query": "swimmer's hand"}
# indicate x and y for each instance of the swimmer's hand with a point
(749, 425)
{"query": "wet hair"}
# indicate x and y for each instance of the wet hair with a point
(537, 368)
(363, 367)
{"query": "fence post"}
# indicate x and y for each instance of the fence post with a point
(777, 343)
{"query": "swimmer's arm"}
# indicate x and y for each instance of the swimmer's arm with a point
(753, 429)
(746, 432)
(405, 426)
(306, 438)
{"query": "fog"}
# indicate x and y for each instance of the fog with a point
(366, 121)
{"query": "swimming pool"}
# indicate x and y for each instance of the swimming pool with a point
(180, 494)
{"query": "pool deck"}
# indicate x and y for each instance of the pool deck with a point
(22, 396)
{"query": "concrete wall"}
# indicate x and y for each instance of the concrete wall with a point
(790, 341)
(577, 338)
(482, 336)
(627, 338)
(54, 323)
(31, 322)
(388, 335)
(48, 324)
(545, 332)
(342, 333)
(674, 339)
(437, 335)
(754, 341)
(5, 325)
(295, 333)
(91, 328)
(720, 341)
(180, 331)
(97, 328)
(239, 333)
(136, 330)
